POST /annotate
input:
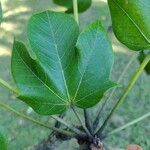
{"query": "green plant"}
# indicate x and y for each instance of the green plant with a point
(76, 69)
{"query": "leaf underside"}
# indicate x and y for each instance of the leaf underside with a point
(83, 5)
(131, 22)
(67, 67)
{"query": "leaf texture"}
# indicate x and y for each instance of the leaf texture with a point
(131, 22)
(95, 60)
(67, 68)
(41, 81)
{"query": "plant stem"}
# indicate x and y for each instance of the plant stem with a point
(82, 124)
(8, 86)
(96, 123)
(7, 107)
(88, 122)
(122, 98)
(129, 124)
(75, 130)
(75, 9)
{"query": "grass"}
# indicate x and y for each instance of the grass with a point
(21, 134)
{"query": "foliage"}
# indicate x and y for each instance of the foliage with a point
(83, 5)
(131, 22)
(71, 75)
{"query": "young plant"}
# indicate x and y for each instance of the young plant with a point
(69, 69)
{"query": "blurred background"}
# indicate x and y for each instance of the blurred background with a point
(22, 134)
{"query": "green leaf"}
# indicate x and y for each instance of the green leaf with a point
(83, 5)
(41, 80)
(1, 15)
(3, 144)
(141, 58)
(61, 74)
(131, 22)
(95, 59)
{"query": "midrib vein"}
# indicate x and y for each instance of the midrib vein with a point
(40, 79)
(56, 48)
(138, 28)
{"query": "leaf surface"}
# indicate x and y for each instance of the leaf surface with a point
(131, 22)
(95, 60)
(42, 80)
(66, 68)
(83, 5)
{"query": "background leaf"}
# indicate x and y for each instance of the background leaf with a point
(95, 60)
(42, 80)
(83, 5)
(131, 22)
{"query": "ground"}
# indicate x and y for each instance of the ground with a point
(21, 134)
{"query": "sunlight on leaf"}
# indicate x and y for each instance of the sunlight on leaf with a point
(131, 22)
(60, 73)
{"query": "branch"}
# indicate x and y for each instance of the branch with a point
(75, 130)
(7, 107)
(75, 9)
(122, 98)
(57, 125)
(8, 86)
(129, 124)
(81, 122)
(88, 121)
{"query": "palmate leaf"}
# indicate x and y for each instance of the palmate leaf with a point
(83, 5)
(1, 15)
(131, 22)
(60, 74)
